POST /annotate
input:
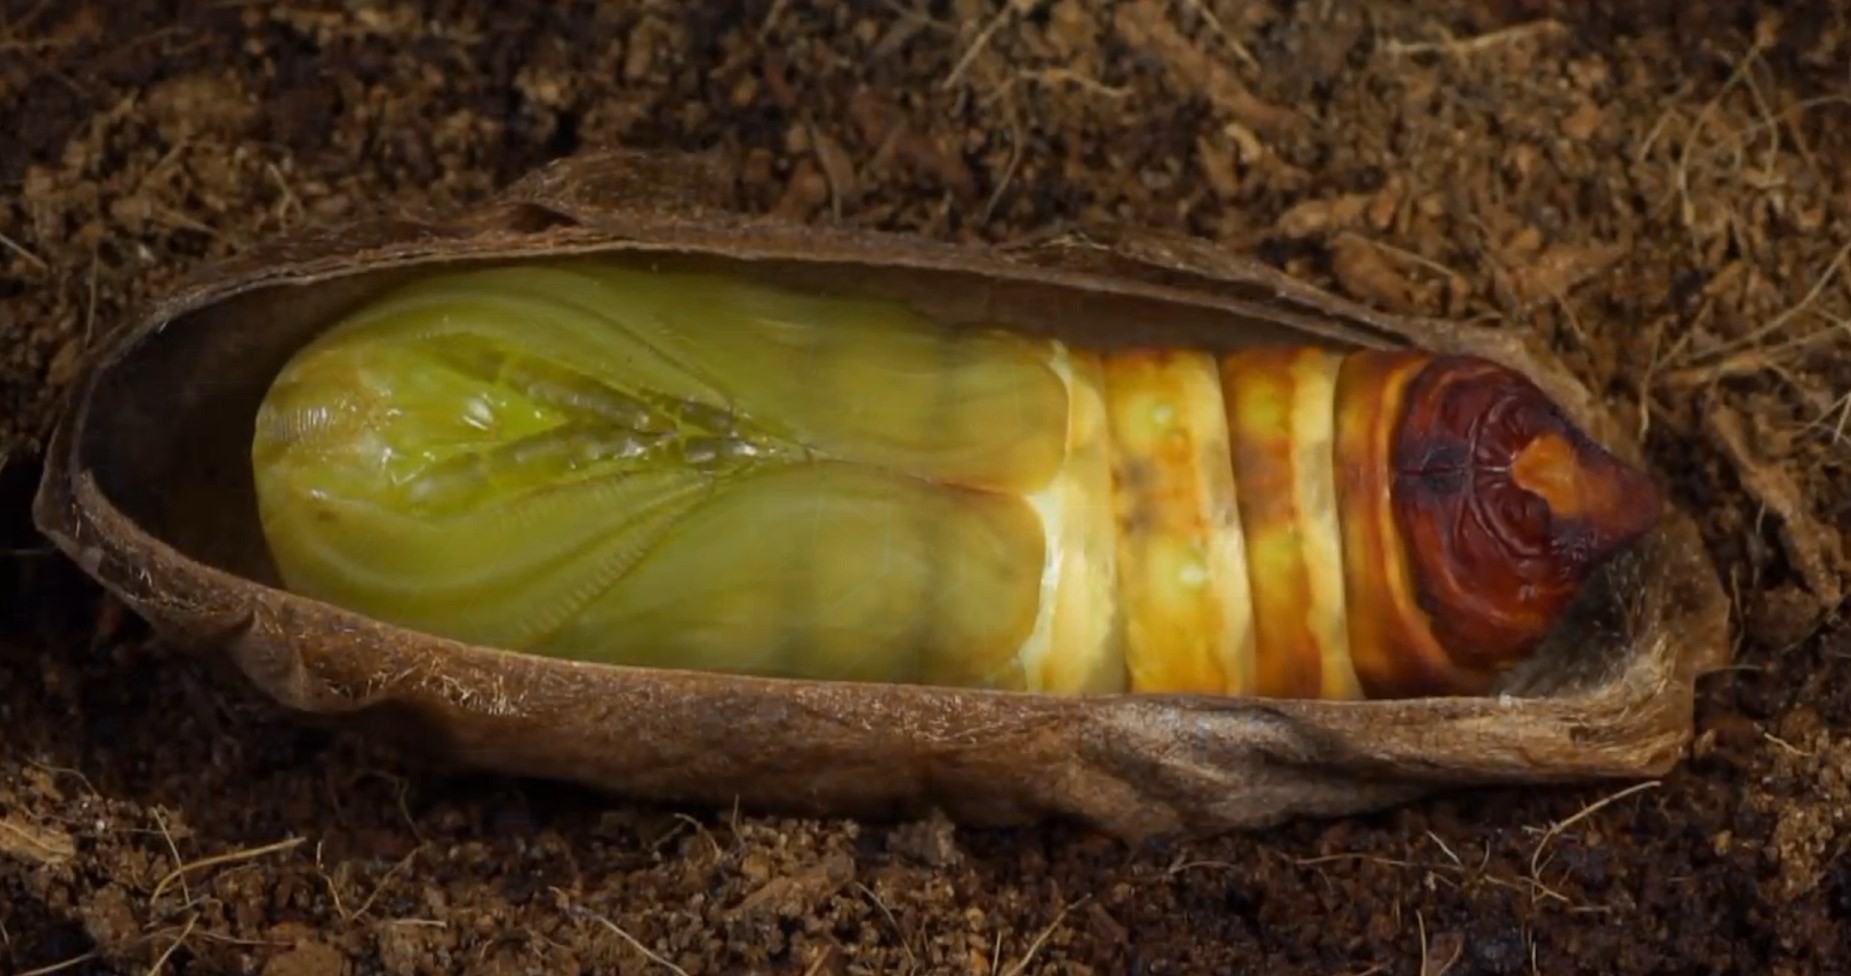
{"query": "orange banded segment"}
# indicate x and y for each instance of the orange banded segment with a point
(1181, 557)
(1392, 646)
(1281, 420)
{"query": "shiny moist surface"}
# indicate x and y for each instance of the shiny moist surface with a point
(1181, 552)
(1281, 405)
(1505, 507)
(662, 470)
(1392, 644)
(696, 471)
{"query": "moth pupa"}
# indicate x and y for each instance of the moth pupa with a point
(688, 470)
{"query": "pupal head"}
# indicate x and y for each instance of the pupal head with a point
(1507, 507)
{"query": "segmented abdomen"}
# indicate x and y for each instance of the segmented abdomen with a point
(692, 471)
(1257, 545)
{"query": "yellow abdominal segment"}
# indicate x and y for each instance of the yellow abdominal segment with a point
(1281, 406)
(1080, 646)
(1231, 546)
(1182, 555)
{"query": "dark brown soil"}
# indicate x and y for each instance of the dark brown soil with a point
(1664, 193)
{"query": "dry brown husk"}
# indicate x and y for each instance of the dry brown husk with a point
(147, 486)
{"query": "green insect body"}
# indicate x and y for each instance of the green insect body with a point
(670, 470)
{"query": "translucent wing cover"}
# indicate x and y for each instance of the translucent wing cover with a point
(676, 470)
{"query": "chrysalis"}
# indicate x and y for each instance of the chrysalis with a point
(686, 470)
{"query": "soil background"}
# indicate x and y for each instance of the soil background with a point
(1664, 192)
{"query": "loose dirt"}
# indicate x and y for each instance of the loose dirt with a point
(1663, 193)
